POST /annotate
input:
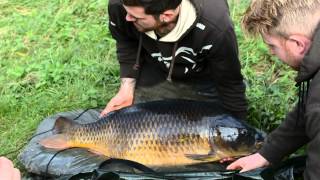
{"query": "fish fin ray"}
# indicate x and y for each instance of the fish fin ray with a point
(202, 157)
(95, 151)
(57, 141)
(62, 124)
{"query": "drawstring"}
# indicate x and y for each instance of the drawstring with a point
(136, 66)
(303, 92)
(169, 78)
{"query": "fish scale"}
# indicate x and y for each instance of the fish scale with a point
(165, 133)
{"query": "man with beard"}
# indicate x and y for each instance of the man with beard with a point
(176, 49)
(291, 29)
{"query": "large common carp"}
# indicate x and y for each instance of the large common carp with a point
(161, 134)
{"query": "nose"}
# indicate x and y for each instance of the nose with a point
(130, 18)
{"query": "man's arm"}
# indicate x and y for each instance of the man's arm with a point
(123, 98)
(126, 44)
(286, 139)
(283, 141)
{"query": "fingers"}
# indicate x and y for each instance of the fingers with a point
(108, 109)
(112, 107)
(105, 111)
(234, 166)
(7, 170)
(239, 165)
(249, 163)
(16, 174)
(226, 160)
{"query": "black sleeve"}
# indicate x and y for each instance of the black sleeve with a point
(226, 72)
(286, 139)
(126, 39)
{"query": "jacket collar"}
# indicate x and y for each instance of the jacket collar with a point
(311, 62)
(187, 17)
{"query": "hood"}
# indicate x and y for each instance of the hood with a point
(187, 18)
(311, 62)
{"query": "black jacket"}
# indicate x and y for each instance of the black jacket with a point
(302, 125)
(207, 50)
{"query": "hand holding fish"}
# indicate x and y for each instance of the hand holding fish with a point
(7, 170)
(123, 98)
(249, 163)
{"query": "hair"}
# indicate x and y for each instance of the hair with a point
(154, 7)
(282, 17)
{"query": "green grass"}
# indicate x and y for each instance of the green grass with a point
(58, 56)
(55, 56)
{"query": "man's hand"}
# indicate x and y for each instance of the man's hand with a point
(123, 98)
(7, 170)
(248, 163)
(227, 160)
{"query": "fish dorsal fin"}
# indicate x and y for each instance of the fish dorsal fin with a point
(57, 141)
(62, 124)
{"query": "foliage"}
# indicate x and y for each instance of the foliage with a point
(57, 56)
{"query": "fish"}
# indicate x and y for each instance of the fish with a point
(164, 133)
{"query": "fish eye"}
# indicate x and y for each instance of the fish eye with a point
(243, 131)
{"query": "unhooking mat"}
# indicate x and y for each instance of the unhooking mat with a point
(77, 163)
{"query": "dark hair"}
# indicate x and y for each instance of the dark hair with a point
(153, 7)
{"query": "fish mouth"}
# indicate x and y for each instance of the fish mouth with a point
(258, 144)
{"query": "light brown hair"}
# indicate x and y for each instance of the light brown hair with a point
(282, 17)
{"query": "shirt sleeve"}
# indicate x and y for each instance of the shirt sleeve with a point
(126, 40)
(286, 139)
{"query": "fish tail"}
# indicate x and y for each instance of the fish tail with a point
(60, 139)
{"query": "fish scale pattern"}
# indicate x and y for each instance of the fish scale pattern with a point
(154, 134)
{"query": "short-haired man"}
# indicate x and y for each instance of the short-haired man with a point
(291, 30)
(176, 49)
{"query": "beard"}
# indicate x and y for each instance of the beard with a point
(142, 28)
(161, 28)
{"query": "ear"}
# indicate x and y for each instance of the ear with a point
(169, 15)
(299, 44)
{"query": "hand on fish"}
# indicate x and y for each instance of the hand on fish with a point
(248, 163)
(120, 100)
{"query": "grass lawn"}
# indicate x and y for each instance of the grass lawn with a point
(58, 56)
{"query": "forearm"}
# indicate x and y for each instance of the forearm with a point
(286, 139)
(127, 85)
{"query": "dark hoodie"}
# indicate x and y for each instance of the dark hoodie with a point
(302, 125)
(206, 52)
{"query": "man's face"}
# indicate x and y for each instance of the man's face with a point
(142, 21)
(279, 47)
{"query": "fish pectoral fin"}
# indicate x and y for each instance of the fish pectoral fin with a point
(95, 152)
(57, 141)
(202, 157)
